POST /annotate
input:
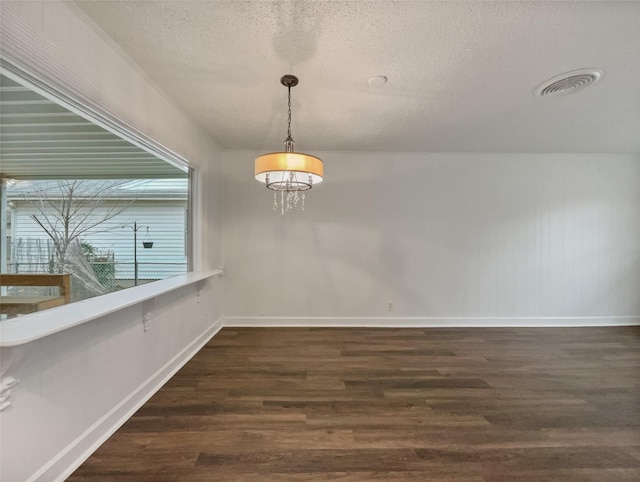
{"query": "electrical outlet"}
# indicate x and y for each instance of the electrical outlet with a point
(390, 306)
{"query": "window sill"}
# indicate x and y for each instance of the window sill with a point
(31, 327)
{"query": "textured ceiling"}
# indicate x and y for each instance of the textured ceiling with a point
(462, 75)
(41, 139)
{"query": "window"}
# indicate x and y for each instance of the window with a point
(82, 203)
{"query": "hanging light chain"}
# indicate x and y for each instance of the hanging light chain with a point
(289, 105)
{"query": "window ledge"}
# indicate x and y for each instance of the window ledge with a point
(31, 327)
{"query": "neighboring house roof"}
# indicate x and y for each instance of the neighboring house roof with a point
(136, 189)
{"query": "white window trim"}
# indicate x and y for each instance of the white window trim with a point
(33, 326)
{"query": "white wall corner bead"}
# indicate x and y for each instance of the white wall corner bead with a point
(6, 384)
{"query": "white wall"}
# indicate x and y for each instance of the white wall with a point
(76, 386)
(453, 235)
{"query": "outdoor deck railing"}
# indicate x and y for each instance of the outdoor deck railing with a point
(106, 277)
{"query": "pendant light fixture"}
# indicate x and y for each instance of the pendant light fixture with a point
(289, 173)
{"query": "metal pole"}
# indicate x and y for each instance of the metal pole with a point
(135, 254)
(4, 248)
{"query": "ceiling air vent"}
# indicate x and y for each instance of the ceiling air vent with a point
(570, 82)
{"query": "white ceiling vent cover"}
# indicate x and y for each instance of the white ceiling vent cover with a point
(570, 82)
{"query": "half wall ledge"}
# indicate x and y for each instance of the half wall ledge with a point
(34, 326)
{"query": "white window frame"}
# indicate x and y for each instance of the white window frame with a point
(33, 326)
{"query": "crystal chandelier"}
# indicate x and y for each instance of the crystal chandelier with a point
(289, 173)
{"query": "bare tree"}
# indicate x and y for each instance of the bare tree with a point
(69, 209)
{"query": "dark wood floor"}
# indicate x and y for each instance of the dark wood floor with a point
(379, 404)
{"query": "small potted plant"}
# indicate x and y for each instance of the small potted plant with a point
(147, 242)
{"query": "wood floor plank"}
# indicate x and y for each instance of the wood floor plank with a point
(353, 404)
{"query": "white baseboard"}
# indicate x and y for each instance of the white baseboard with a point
(429, 322)
(74, 454)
